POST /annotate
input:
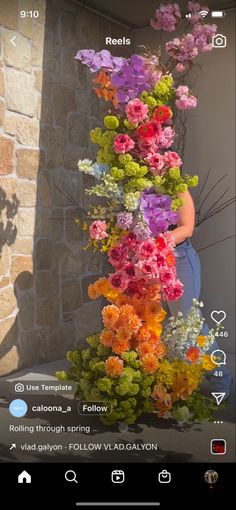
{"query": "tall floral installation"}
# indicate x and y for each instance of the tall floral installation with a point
(136, 363)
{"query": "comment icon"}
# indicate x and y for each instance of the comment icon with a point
(218, 357)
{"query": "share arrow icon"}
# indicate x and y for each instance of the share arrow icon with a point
(219, 397)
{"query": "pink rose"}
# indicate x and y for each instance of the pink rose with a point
(117, 281)
(171, 158)
(156, 162)
(117, 256)
(167, 276)
(136, 111)
(147, 249)
(186, 102)
(98, 230)
(173, 292)
(123, 144)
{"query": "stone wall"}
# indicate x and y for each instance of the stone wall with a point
(47, 108)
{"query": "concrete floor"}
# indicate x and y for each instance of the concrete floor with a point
(175, 443)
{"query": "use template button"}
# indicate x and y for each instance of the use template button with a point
(96, 408)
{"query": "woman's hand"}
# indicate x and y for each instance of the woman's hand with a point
(186, 221)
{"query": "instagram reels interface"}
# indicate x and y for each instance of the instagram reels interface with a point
(117, 258)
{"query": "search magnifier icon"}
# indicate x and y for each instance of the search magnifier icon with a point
(70, 476)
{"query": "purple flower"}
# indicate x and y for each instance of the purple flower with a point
(131, 79)
(97, 60)
(156, 210)
(124, 220)
(167, 17)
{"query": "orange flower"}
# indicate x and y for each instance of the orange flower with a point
(207, 363)
(150, 363)
(170, 259)
(106, 89)
(160, 350)
(159, 392)
(201, 340)
(110, 315)
(193, 354)
(114, 366)
(153, 308)
(183, 387)
(129, 319)
(96, 289)
(143, 334)
(123, 334)
(107, 337)
(121, 300)
(164, 407)
(120, 346)
(145, 348)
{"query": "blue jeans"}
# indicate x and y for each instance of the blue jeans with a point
(189, 272)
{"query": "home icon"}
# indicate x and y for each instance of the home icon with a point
(24, 477)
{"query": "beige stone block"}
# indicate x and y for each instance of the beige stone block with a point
(26, 193)
(20, 92)
(26, 220)
(9, 186)
(20, 264)
(9, 362)
(27, 163)
(18, 56)
(9, 13)
(4, 260)
(38, 45)
(64, 103)
(4, 281)
(28, 131)
(6, 328)
(40, 6)
(22, 246)
(7, 302)
(48, 311)
(10, 124)
(38, 80)
(6, 151)
(39, 107)
(25, 25)
(2, 84)
(2, 112)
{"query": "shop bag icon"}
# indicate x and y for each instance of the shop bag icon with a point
(164, 476)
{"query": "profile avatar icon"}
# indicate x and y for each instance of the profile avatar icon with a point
(211, 476)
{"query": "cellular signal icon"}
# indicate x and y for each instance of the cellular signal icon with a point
(203, 14)
(188, 15)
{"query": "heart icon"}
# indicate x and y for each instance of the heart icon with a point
(218, 316)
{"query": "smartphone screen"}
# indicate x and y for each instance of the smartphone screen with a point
(117, 259)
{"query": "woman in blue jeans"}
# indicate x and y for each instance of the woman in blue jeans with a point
(189, 272)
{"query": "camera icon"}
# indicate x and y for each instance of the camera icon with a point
(219, 41)
(19, 388)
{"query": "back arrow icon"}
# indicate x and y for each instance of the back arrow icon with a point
(13, 40)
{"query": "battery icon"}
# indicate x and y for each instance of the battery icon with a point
(217, 14)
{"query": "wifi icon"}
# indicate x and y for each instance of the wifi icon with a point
(203, 14)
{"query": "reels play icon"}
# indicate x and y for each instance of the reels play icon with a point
(118, 476)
